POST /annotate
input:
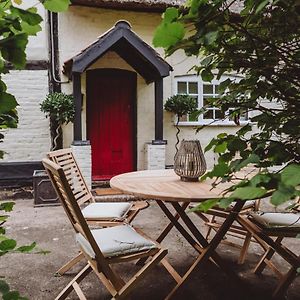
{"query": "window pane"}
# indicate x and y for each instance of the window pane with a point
(181, 87)
(216, 89)
(219, 114)
(208, 115)
(193, 87)
(193, 118)
(208, 89)
(206, 100)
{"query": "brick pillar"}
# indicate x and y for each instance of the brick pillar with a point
(83, 154)
(155, 156)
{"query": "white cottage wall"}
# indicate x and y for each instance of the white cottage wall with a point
(31, 139)
(37, 47)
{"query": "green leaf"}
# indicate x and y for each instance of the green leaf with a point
(210, 145)
(57, 5)
(221, 148)
(26, 248)
(41, 251)
(225, 202)
(248, 193)
(290, 175)
(8, 244)
(205, 205)
(207, 60)
(207, 75)
(4, 287)
(259, 178)
(7, 206)
(251, 159)
(168, 34)
(13, 295)
(261, 6)
(7, 102)
(170, 14)
(3, 218)
(219, 170)
(222, 135)
(210, 37)
(27, 16)
(31, 29)
(284, 193)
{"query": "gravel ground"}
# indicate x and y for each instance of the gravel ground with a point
(33, 274)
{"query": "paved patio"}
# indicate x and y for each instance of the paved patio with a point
(33, 274)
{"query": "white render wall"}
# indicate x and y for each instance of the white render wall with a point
(82, 154)
(31, 140)
(37, 47)
(155, 157)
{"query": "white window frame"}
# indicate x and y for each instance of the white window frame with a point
(200, 97)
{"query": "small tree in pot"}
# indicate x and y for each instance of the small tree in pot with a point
(60, 108)
(180, 105)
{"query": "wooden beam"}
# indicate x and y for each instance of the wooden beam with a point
(158, 110)
(78, 103)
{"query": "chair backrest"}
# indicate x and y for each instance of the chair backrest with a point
(66, 195)
(65, 159)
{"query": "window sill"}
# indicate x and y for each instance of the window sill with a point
(214, 124)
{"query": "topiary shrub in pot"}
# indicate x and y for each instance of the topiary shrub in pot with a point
(180, 105)
(59, 107)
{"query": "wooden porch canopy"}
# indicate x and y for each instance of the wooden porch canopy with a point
(138, 54)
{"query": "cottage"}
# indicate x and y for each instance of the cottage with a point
(102, 53)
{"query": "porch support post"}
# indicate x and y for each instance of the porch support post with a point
(155, 152)
(78, 102)
(159, 112)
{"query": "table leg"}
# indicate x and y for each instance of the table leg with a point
(209, 247)
(201, 239)
(179, 227)
(166, 230)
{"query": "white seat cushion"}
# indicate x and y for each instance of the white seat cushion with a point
(114, 241)
(106, 211)
(277, 219)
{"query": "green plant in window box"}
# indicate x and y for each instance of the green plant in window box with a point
(180, 105)
(60, 108)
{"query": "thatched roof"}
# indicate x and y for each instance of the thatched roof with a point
(142, 5)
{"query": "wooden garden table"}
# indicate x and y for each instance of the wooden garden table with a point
(165, 186)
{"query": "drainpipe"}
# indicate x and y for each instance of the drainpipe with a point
(54, 76)
(53, 71)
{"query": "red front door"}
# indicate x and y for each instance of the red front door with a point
(111, 96)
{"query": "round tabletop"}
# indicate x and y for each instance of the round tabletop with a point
(165, 185)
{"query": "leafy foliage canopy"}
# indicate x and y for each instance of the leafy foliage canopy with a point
(262, 43)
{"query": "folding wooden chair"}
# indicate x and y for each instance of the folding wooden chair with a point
(96, 213)
(214, 217)
(271, 228)
(105, 246)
